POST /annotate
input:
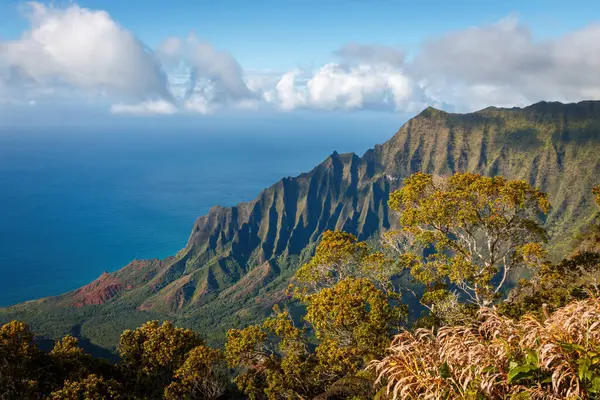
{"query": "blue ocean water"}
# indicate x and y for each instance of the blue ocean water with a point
(77, 201)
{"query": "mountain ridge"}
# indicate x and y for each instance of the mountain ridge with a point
(260, 243)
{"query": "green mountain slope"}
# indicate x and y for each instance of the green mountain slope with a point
(238, 259)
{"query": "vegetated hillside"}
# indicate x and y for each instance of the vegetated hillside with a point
(589, 239)
(238, 259)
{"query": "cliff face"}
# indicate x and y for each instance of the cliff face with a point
(553, 146)
(238, 258)
(344, 192)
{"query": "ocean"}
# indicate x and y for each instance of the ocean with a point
(79, 200)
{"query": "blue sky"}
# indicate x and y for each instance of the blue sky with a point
(353, 55)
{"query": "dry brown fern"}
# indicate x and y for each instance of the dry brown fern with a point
(465, 362)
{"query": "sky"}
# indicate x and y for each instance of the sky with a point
(152, 58)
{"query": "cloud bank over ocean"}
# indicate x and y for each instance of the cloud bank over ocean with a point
(74, 54)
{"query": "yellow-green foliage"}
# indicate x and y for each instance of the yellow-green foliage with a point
(152, 353)
(337, 256)
(352, 321)
(347, 292)
(340, 255)
(158, 361)
(477, 228)
(353, 313)
(499, 358)
(67, 347)
(201, 376)
(90, 388)
(70, 361)
(274, 368)
(18, 357)
(154, 347)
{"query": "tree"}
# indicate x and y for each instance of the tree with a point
(152, 353)
(351, 322)
(596, 192)
(339, 255)
(69, 360)
(468, 231)
(202, 376)
(275, 358)
(352, 308)
(88, 388)
(21, 362)
(353, 318)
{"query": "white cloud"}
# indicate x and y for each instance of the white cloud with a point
(363, 86)
(171, 47)
(157, 107)
(205, 63)
(82, 49)
(499, 64)
(286, 93)
(261, 82)
(199, 104)
(221, 68)
(502, 64)
(336, 86)
(74, 50)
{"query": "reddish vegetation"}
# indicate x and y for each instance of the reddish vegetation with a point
(99, 291)
(108, 285)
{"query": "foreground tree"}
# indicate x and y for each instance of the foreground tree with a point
(275, 358)
(152, 353)
(70, 362)
(467, 231)
(202, 376)
(352, 308)
(353, 319)
(90, 387)
(21, 363)
(338, 256)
